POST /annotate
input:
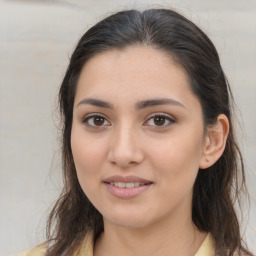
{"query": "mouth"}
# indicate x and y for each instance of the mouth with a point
(127, 184)
(126, 187)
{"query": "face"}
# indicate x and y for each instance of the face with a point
(137, 136)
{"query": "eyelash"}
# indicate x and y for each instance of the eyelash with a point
(91, 116)
(152, 116)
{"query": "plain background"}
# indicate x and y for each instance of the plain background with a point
(36, 39)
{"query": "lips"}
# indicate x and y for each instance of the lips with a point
(126, 179)
(126, 184)
(126, 187)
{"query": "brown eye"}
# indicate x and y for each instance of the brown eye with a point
(160, 121)
(95, 121)
(98, 121)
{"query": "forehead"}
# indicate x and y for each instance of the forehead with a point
(134, 59)
(134, 72)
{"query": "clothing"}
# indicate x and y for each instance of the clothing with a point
(86, 249)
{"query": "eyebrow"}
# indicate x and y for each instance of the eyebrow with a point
(139, 105)
(96, 102)
(156, 102)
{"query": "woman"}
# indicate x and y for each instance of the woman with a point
(150, 161)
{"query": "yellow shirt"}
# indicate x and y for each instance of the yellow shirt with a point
(86, 249)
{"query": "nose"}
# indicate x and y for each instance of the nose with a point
(125, 150)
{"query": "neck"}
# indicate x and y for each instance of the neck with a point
(179, 237)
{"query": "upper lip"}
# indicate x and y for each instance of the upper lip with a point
(126, 179)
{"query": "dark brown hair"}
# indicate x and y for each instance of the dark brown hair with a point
(216, 189)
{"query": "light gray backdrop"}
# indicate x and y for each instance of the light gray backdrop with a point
(36, 40)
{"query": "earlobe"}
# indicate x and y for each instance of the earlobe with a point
(215, 142)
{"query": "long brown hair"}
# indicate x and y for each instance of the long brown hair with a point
(216, 189)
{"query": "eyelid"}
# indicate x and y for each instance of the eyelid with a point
(170, 118)
(91, 115)
(160, 114)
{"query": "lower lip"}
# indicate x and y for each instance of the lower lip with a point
(126, 193)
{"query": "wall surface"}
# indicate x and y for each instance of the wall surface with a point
(36, 40)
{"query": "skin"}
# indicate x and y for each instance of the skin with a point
(129, 141)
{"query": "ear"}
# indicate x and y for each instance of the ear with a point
(215, 142)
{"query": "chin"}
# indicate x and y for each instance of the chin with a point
(131, 221)
(131, 224)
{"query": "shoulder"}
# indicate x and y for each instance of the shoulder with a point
(39, 250)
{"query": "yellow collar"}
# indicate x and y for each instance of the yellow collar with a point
(86, 248)
(206, 248)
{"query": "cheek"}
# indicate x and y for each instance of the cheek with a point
(178, 150)
(177, 159)
(88, 154)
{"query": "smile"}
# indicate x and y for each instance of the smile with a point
(126, 185)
